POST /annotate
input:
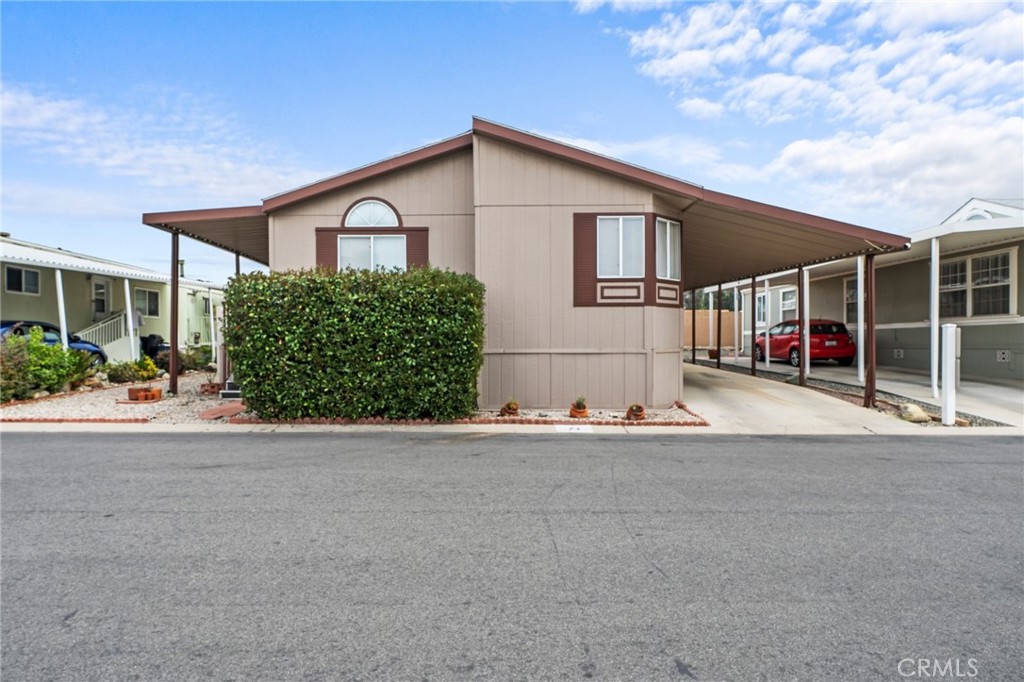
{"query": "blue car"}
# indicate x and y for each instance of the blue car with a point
(51, 335)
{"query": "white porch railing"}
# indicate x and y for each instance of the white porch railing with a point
(106, 331)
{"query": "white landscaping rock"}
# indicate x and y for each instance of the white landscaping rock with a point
(914, 414)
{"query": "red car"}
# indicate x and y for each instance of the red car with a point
(829, 340)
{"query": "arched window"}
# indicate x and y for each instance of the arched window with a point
(371, 213)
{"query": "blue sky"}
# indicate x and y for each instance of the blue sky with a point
(888, 115)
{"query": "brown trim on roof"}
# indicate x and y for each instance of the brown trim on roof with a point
(433, 151)
(605, 164)
(882, 240)
(168, 218)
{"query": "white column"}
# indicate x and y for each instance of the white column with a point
(933, 316)
(711, 319)
(806, 331)
(737, 338)
(948, 374)
(213, 327)
(860, 320)
(129, 315)
(62, 316)
(767, 325)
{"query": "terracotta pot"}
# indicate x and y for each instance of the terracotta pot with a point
(209, 388)
(577, 412)
(713, 353)
(135, 393)
(507, 411)
(156, 393)
(637, 415)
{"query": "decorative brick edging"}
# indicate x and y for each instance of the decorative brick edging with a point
(82, 420)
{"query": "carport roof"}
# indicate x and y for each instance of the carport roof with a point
(725, 237)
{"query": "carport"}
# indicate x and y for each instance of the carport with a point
(724, 238)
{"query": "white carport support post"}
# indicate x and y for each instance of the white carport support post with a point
(213, 327)
(948, 374)
(737, 339)
(767, 325)
(806, 331)
(129, 315)
(860, 320)
(711, 319)
(933, 316)
(62, 315)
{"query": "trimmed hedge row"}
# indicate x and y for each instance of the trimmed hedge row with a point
(400, 345)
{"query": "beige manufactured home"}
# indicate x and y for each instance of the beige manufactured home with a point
(585, 258)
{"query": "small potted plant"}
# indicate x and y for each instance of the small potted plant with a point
(578, 409)
(510, 409)
(636, 412)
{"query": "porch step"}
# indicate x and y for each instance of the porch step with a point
(231, 391)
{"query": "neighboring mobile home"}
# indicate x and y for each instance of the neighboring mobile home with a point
(93, 298)
(585, 258)
(975, 283)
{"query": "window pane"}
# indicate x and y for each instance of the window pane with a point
(607, 247)
(371, 214)
(153, 299)
(141, 302)
(31, 282)
(661, 247)
(953, 303)
(633, 247)
(13, 279)
(851, 301)
(354, 252)
(674, 256)
(389, 252)
(991, 270)
(991, 301)
(953, 275)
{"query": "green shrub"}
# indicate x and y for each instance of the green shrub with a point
(122, 372)
(143, 369)
(14, 378)
(163, 361)
(403, 345)
(29, 364)
(197, 357)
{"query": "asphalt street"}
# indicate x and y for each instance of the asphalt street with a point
(391, 556)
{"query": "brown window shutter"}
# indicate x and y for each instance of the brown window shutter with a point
(584, 259)
(417, 253)
(327, 248)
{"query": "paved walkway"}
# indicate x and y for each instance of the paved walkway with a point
(1001, 402)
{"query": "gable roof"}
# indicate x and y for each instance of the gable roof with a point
(760, 238)
(37, 255)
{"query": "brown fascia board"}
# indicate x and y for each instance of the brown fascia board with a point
(394, 163)
(586, 158)
(884, 241)
(167, 219)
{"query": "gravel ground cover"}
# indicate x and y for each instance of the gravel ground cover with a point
(110, 405)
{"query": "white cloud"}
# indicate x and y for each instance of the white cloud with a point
(173, 141)
(588, 6)
(698, 107)
(910, 104)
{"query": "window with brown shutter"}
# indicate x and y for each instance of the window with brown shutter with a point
(612, 267)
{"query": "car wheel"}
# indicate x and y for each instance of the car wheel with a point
(794, 357)
(845, 362)
(759, 353)
(97, 359)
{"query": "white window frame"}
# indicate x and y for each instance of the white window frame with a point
(847, 301)
(643, 246)
(760, 308)
(390, 217)
(665, 259)
(969, 285)
(372, 238)
(782, 304)
(145, 312)
(39, 281)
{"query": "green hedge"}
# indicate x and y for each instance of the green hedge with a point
(401, 345)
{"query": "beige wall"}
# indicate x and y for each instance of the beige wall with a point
(539, 348)
(437, 194)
